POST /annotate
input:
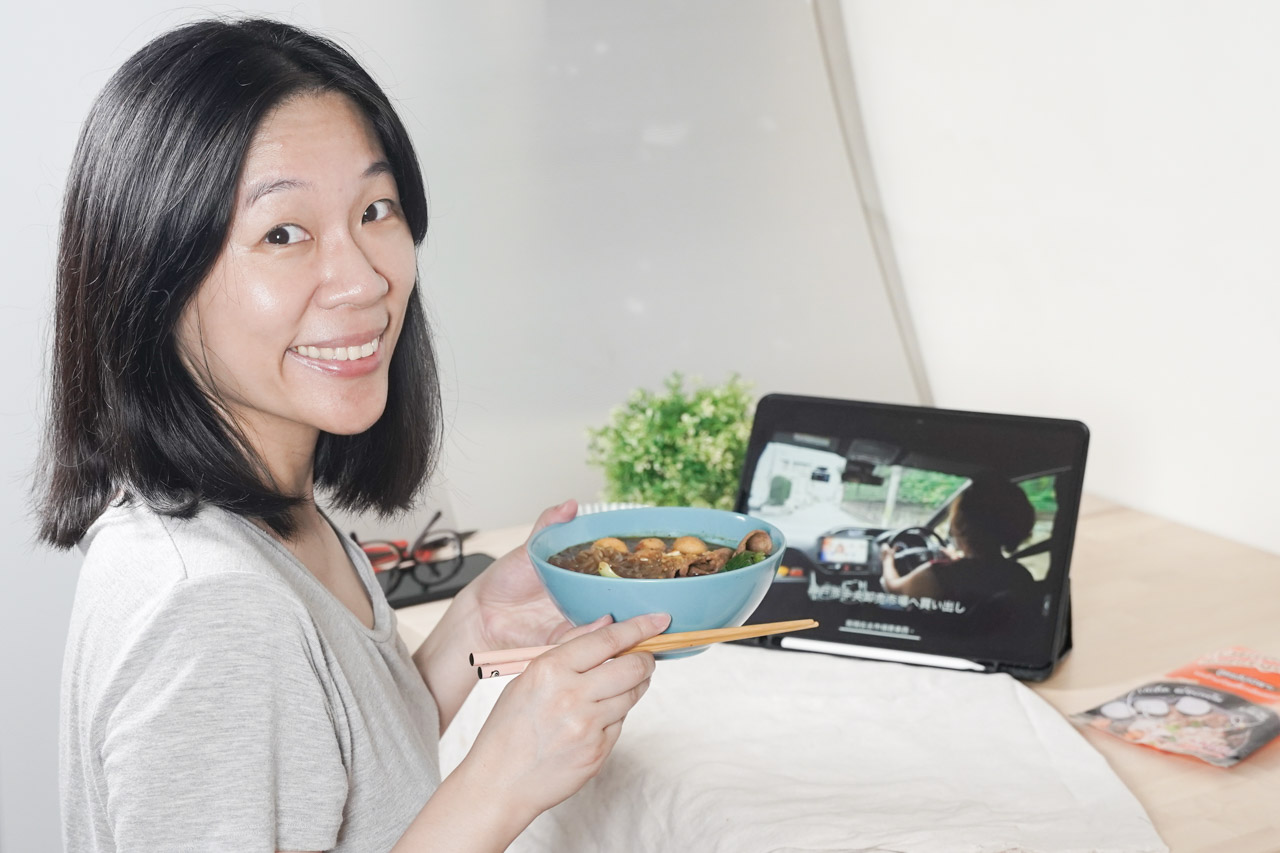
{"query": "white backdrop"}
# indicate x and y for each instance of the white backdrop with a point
(1082, 199)
(591, 167)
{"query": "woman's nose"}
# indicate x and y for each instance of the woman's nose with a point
(349, 275)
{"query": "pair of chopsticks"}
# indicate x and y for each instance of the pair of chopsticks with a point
(513, 661)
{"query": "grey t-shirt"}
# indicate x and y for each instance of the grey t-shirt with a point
(217, 697)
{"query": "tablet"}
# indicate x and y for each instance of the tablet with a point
(917, 534)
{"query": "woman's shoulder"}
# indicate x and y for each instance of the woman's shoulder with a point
(151, 583)
(998, 572)
(139, 562)
(135, 537)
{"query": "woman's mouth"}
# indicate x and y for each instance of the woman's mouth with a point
(347, 361)
(347, 353)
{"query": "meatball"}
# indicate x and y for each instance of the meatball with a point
(690, 546)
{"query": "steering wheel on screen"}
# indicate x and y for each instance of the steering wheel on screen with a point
(913, 546)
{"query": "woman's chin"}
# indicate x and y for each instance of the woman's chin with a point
(352, 424)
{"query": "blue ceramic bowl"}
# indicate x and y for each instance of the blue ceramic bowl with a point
(722, 600)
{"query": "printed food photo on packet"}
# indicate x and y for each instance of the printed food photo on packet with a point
(1219, 709)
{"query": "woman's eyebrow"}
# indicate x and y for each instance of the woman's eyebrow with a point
(378, 167)
(265, 188)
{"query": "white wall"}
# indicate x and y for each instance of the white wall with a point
(588, 164)
(605, 176)
(1083, 200)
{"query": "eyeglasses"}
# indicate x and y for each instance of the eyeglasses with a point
(435, 557)
(387, 554)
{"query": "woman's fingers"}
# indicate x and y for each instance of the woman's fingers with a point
(615, 709)
(555, 515)
(592, 649)
(615, 677)
(583, 629)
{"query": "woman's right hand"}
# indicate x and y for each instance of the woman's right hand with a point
(556, 722)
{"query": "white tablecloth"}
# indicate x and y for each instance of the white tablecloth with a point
(747, 750)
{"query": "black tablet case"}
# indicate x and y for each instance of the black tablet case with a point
(954, 442)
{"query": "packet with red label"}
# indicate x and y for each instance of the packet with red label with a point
(1220, 708)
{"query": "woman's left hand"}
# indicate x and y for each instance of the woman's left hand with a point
(513, 605)
(506, 607)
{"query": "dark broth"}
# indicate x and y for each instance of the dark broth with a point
(647, 563)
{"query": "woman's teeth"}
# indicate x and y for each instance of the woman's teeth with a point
(339, 353)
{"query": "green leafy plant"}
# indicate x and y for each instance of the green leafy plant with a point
(676, 447)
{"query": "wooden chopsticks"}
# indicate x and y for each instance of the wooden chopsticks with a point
(513, 661)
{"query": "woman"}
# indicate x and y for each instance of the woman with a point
(990, 518)
(238, 325)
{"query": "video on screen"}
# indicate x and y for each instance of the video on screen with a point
(915, 546)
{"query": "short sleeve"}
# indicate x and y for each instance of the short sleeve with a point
(218, 735)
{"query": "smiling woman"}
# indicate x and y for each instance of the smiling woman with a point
(196, 185)
(304, 306)
(237, 327)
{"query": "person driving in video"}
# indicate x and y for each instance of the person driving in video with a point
(989, 519)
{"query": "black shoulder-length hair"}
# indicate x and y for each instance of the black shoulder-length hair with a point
(148, 205)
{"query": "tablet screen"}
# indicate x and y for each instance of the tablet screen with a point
(939, 532)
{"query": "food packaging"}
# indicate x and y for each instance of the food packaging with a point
(1220, 708)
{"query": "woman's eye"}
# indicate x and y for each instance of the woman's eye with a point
(378, 210)
(284, 235)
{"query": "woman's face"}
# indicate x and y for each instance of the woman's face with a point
(295, 326)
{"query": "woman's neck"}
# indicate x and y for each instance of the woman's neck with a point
(288, 450)
(976, 551)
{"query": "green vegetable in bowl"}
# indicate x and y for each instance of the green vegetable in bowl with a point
(742, 560)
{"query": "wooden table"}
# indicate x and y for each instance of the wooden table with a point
(1148, 595)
